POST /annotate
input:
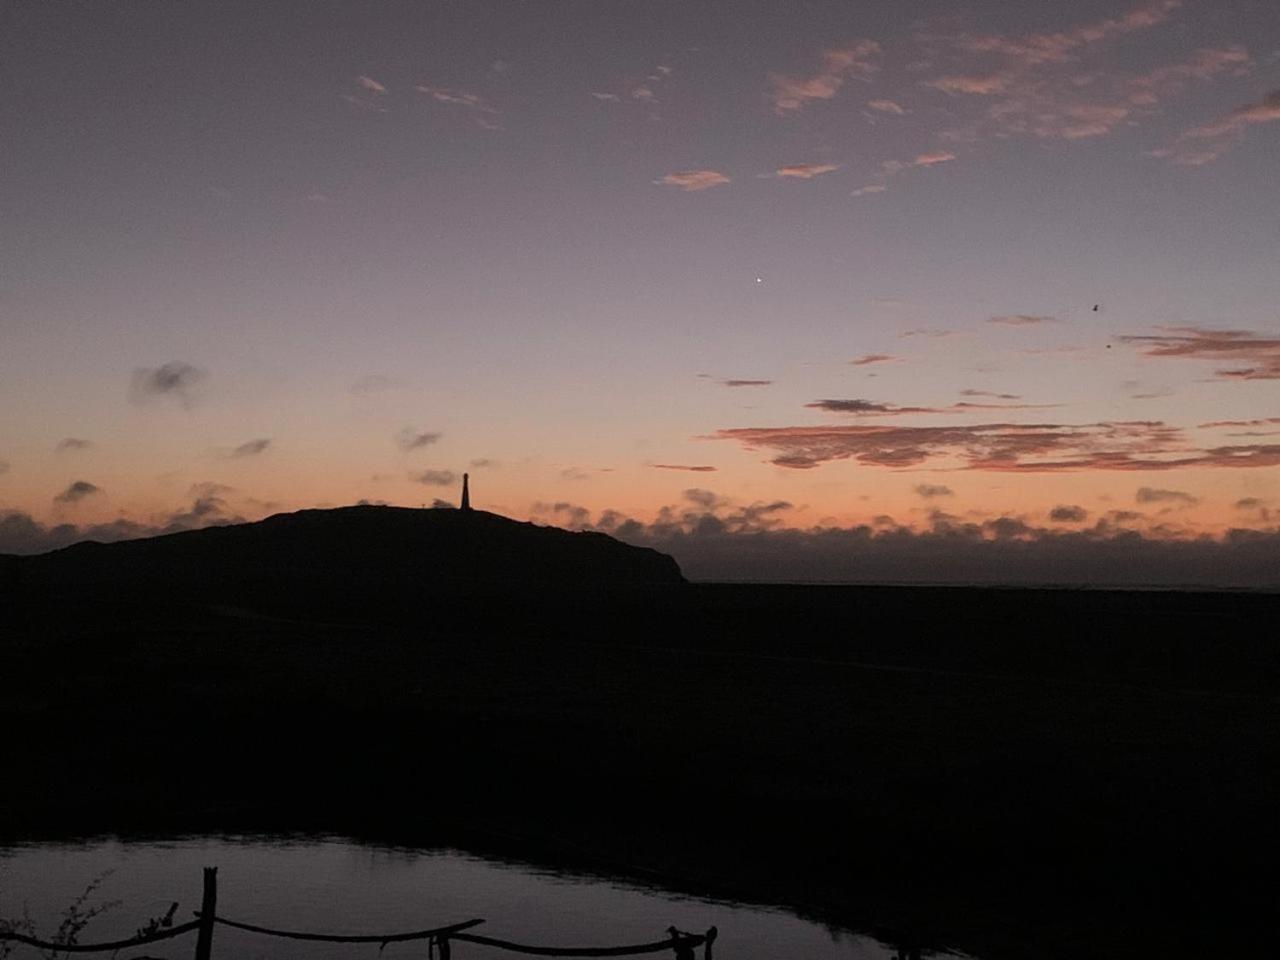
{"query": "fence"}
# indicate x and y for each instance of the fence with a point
(439, 939)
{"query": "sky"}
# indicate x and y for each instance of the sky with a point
(1002, 272)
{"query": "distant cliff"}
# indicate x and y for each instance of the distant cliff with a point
(348, 558)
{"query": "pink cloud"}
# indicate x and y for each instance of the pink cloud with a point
(1038, 87)
(806, 171)
(935, 157)
(869, 358)
(1260, 354)
(681, 466)
(854, 60)
(691, 180)
(1204, 144)
(1139, 446)
(886, 106)
(458, 98)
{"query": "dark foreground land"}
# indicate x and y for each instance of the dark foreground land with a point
(1014, 773)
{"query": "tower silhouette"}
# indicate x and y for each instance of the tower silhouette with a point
(466, 493)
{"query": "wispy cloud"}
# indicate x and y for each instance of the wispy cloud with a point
(435, 478)
(699, 468)
(1204, 144)
(989, 393)
(1045, 85)
(1021, 319)
(1256, 422)
(858, 59)
(251, 448)
(1257, 356)
(932, 158)
(886, 106)
(71, 444)
(1000, 447)
(891, 168)
(176, 381)
(869, 358)
(458, 98)
(693, 180)
(411, 439)
(373, 383)
(480, 110)
(746, 383)
(872, 408)
(370, 84)
(77, 491)
(805, 171)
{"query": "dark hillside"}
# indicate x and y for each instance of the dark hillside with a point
(362, 559)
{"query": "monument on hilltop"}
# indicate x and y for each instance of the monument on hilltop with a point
(466, 493)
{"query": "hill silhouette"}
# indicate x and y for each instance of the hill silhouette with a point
(342, 559)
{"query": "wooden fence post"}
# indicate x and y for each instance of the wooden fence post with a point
(208, 910)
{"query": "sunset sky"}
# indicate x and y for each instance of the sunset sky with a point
(907, 266)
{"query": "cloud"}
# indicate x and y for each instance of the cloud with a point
(805, 171)
(22, 534)
(1131, 446)
(208, 508)
(886, 106)
(1068, 514)
(1021, 319)
(716, 539)
(175, 380)
(870, 358)
(932, 158)
(746, 383)
(868, 190)
(410, 439)
(1155, 495)
(871, 408)
(1259, 354)
(373, 383)
(989, 393)
(77, 491)
(484, 463)
(1046, 86)
(691, 180)
(72, 444)
(459, 98)
(931, 490)
(435, 478)
(1263, 422)
(251, 448)
(368, 83)
(680, 466)
(856, 59)
(564, 513)
(1204, 144)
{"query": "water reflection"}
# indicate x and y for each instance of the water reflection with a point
(336, 886)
